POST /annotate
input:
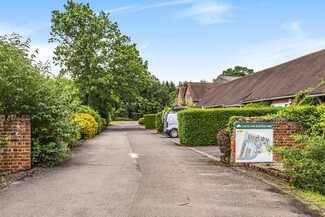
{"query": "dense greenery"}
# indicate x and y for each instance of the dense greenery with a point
(159, 123)
(99, 120)
(88, 125)
(141, 121)
(150, 121)
(198, 127)
(151, 100)
(27, 87)
(106, 73)
(238, 71)
(106, 66)
(305, 163)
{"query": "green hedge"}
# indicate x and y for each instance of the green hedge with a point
(159, 123)
(141, 121)
(150, 121)
(198, 127)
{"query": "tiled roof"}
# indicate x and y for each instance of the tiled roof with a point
(281, 81)
(198, 89)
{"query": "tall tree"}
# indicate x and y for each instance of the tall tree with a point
(238, 71)
(92, 50)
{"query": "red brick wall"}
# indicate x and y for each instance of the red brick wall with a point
(15, 143)
(282, 134)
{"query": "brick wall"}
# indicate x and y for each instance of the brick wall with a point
(15, 143)
(282, 134)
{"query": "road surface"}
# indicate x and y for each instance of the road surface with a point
(129, 171)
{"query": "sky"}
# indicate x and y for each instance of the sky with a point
(190, 40)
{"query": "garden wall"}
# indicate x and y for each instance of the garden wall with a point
(282, 134)
(15, 143)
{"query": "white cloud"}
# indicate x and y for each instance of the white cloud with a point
(145, 52)
(137, 8)
(28, 30)
(294, 28)
(208, 12)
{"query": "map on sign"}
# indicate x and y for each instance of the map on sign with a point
(253, 142)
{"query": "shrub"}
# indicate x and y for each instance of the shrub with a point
(88, 125)
(306, 162)
(141, 121)
(302, 99)
(150, 121)
(306, 116)
(159, 123)
(88, 110)
(48, 154)
(223, 140)
(197, 127)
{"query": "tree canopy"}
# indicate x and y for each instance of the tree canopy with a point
(238, 71)
(91, 49)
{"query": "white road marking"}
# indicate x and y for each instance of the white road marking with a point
(133, 155)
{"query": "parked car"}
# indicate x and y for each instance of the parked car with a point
(170, 121)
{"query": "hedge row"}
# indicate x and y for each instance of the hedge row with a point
(150, 121)
(198, 127)
(159, 123)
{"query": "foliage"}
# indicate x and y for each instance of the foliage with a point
(307, 117)
(27, 87)
(48, 154)
(302, 99)
(88, 110)
(141, 121)
(306, 162)
(88, 125)
(150, 121)
(198, 127)
(152, 99)
(238, 71)
(159, 123)
(223, 140)
(259, 104)
(93, 51)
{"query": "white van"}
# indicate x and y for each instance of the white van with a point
(170, 121)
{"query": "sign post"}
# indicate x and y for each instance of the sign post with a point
(254, 142)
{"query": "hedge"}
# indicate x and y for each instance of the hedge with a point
(150, 121)
(198, 127)
(141, 121)
(159, 123)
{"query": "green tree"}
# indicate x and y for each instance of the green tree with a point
(91, 49)
(27, 87)
(238, 71)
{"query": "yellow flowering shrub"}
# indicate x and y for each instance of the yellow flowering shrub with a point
(88, 125)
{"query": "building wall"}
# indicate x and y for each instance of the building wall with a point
(282, 134)
(188, 97)
(15, 143)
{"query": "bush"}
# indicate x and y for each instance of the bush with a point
(198, 127)
(223, 140)
(150, 121)
(159, 123)
(306, 163)
(307, 118)
(141, 121)
(88, 125)
(27, 87)
(48, 154)
(88, 110)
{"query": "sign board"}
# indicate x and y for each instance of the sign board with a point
(254, 142)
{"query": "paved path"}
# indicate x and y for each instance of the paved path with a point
(103, 178)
